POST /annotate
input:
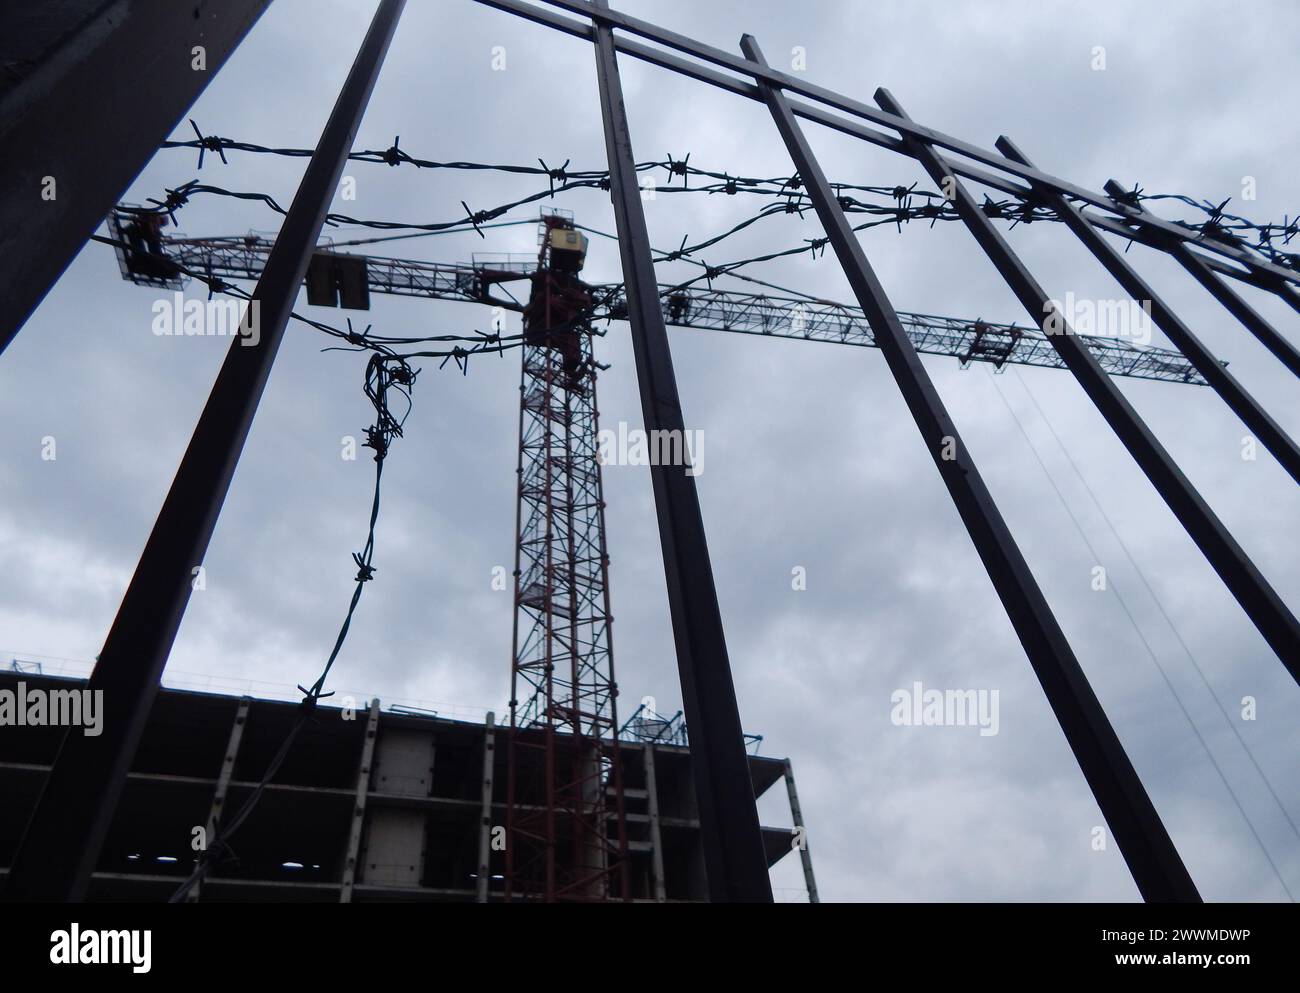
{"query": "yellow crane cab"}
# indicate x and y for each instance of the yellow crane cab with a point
(568, 249)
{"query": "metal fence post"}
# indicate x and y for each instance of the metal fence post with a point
(1260, 601)
(733, 847)
(1223, 382)
(1147, 848)
(1269, 337)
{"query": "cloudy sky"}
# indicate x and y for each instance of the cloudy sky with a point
(811, 459)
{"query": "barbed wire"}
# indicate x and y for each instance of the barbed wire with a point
(793, 202)
(1229, 229)
(177, 197)
(894, 203)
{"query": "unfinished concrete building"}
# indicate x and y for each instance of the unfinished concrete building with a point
(369, 805)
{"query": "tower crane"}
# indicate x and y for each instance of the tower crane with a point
(704, 308)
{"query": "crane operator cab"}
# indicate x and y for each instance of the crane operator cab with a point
(559, 308)
(141, 250)
(568, 249)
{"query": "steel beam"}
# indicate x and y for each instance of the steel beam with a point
(733, 847)
(1275, 439)
(1285, 352)
(67, 829)
(1156, 866)
(1260, 601)
(108, 83)
(1268, 279)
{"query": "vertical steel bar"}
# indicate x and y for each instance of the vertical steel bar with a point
(82, 123)
(1260, 601)
(733, 847)
(485, 810)
(1147, 848)
(1275, 439)
(658, 891)
(357, 828)
(796, 816)
(1269, 337)
(63, 839)
(620, 806)
(548, 607)
(223, 783)
(512, 739)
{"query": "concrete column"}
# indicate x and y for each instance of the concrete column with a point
(359, 807)
(223, 782)
(652, 809)
(805, 855)
(485, 816)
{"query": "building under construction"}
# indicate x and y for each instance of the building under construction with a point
(372, 805)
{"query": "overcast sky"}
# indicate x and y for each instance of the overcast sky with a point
(811, 457)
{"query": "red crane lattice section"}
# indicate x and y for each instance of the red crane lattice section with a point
(565, 832)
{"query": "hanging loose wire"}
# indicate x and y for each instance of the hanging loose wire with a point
(387, 377)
